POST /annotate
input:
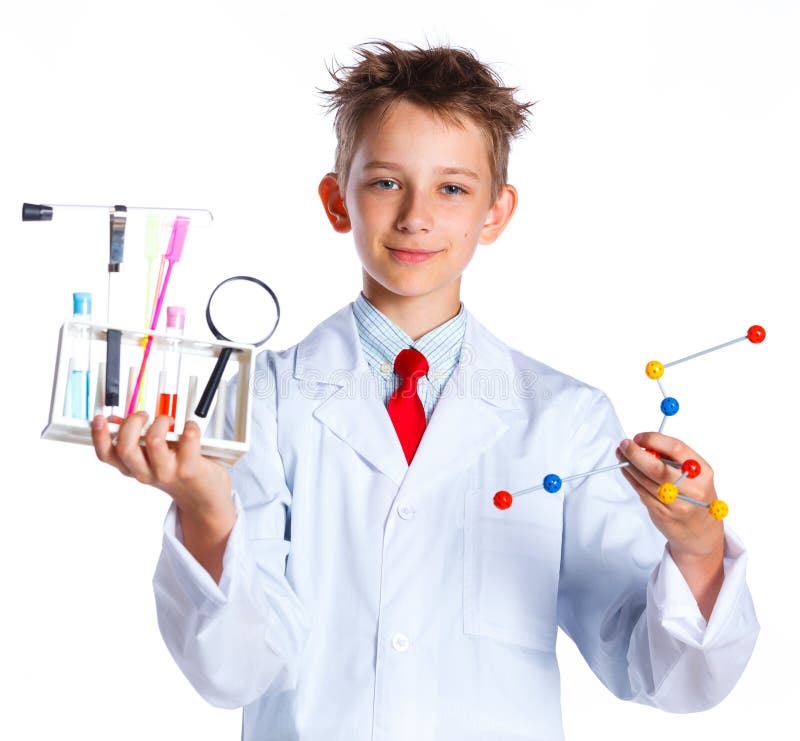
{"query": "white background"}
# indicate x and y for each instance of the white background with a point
(658, 216)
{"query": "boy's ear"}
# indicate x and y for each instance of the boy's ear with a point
(499, 215)
(333, 203)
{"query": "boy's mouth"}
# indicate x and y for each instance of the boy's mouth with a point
(407, 255)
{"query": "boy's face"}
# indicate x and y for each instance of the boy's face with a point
(415, 224)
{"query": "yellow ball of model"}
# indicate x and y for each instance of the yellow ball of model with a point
(667, 493)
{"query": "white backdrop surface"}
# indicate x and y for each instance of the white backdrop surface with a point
(658, 210)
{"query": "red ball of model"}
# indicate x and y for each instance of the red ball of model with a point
(502, 500)
(756, 334)
(654, 453)
(691, 468)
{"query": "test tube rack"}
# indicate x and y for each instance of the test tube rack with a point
(198, 354)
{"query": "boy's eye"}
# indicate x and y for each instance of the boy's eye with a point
(451, 188)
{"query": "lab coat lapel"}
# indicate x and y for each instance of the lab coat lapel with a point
(469, 417)
(476, 407)
(332, 366)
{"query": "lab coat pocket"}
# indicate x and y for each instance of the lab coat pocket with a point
(511, 566)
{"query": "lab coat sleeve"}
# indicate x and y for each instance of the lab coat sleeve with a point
(623, 600)
(241, 638)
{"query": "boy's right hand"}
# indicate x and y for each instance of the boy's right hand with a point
(200, 486)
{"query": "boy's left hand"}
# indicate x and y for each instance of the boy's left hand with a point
(691, 531)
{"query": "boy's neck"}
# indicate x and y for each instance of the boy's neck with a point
(415, 315)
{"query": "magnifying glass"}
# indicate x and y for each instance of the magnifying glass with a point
(243, 307)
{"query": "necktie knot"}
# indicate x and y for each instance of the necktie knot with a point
(410, 364)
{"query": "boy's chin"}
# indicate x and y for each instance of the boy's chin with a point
(407, 290)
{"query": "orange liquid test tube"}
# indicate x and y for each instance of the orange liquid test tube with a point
(167, 404)
(169, 375)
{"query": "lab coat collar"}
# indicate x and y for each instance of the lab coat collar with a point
(477, 404)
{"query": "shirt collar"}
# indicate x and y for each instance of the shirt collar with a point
(382, 339)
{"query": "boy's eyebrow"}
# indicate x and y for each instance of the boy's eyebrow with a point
(377, 164)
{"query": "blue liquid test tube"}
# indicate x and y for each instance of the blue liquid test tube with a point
(76, 404)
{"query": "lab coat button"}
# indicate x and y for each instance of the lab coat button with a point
(400, 642)
(405, 511)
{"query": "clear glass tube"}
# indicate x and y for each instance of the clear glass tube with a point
(170, 373)
(76, 399)
(45, 212)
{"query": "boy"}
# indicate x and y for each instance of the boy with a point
(352, 578)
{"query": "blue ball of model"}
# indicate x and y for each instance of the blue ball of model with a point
(669, 406)
(552, 483)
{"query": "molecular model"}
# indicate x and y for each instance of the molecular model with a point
(668, 491)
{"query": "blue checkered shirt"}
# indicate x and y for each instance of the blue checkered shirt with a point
(382, 339)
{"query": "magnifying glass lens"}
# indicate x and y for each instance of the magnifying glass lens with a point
(241, 309)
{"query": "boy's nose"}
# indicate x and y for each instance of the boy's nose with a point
(415, 214)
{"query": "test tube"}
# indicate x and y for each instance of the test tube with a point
(76, 404)
(170, 373)
(44, 212)
(191, 400)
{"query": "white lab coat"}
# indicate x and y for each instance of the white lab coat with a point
(363, 599)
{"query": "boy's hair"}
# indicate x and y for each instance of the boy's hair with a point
(450, 82)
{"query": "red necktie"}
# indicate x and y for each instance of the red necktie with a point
(405, 407)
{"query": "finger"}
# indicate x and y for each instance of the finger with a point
(670, 447)
(700, 487)
(188, 453)
(644, 480)
(129, 450)
(648, 499)
(159, 456)
(654, 467)
(645, 464)
(646, 486)
(642, 484)
(103, 446)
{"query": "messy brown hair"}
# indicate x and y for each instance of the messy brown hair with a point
(450, 82)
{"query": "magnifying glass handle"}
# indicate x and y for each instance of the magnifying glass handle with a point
(213, 383)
